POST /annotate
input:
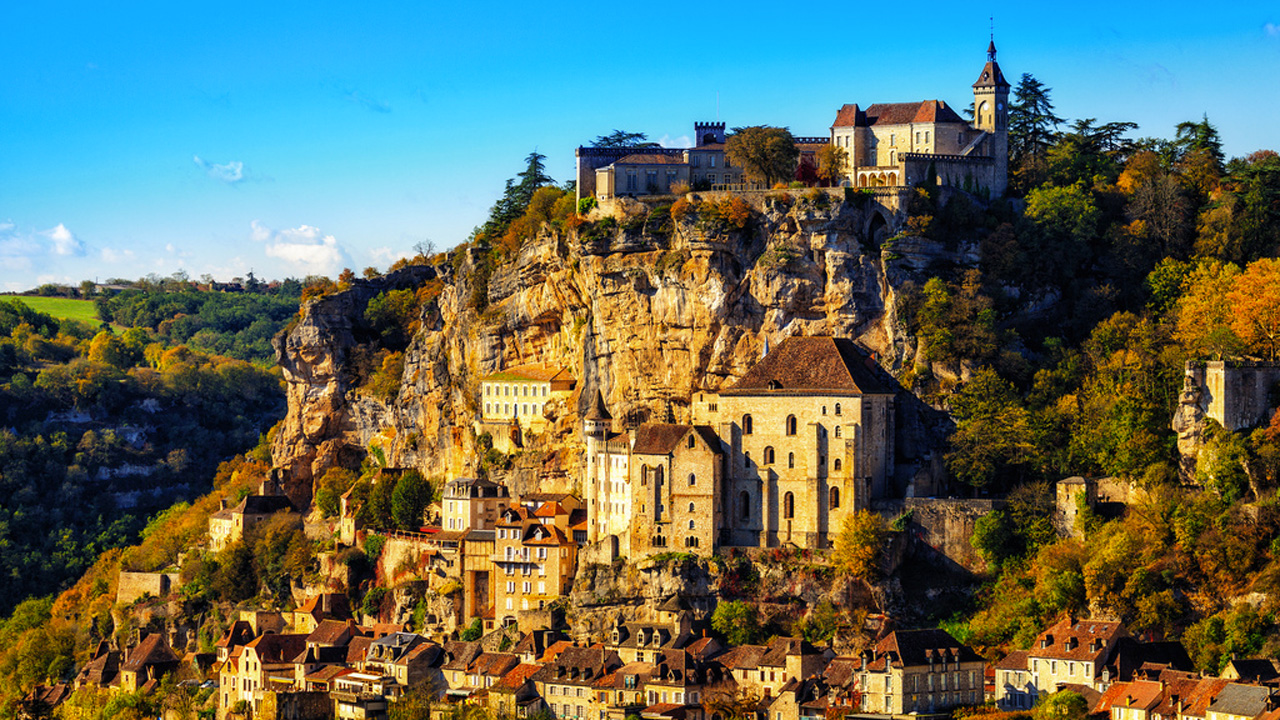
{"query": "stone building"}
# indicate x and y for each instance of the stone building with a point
(534, 561)
(518, 394)
(470, 503)
(1071, 652)
(893, 144)
(920, 671)
(809, 437)
(229, 525)
(1236, 393)
(780, 457)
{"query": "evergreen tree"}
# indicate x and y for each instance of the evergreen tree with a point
(1032, 129)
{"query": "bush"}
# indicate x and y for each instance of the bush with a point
(586, 205)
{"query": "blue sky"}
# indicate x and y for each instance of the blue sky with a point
(295, 139)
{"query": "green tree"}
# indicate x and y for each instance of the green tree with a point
(1062, 705)
(622, 139)
(1032, 127)
(1064, 221)
(860, 545)
(738, 621)
(409, 499)
(994, 441)
(767, 155)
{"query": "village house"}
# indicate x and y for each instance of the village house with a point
(472, 503)
(514, 695)
(920, 671)
(1070, 652)
(567, 683)
(229, 525)
(534, 559)
(147, 663)
(251, 670)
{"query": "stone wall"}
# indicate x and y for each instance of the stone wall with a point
(293, 705)
(133, 585)
(944, 526)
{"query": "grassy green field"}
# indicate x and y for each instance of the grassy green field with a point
(62, 308)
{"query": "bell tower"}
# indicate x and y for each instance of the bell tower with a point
(991, 114)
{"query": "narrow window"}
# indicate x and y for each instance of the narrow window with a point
(791, 460)
(837, 408)
(791, 424)
(693, 479)
(837, 431)
(835, 465)
(692, 442)
(768, 455)
(789, 506)
(746, 424)
(744, 502)
(834, 495)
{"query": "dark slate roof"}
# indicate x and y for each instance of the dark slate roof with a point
(662, 438)
(780, 647)
(596, 410)
(273, 648)
(1258, 669)
(1236, 699)
(812, 366)
(915, 647)
(650, 159)
(991, 75)
(263, 504)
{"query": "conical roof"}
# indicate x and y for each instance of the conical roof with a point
(596, 410)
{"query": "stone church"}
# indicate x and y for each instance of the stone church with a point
(779, 458)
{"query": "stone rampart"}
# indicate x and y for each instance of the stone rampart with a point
(133, 585)
(942, 527)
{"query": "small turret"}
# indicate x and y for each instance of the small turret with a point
(597, 420)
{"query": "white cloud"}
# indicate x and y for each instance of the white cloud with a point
(305, 247)
(112, 255)
(681, 141)
(64, 243)
(25, 251)
(1272, 30)
(387, 256)
(230, 173)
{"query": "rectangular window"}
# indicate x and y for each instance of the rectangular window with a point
(711, 178)
(711, 161)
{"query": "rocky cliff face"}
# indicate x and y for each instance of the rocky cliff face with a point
(647, 316)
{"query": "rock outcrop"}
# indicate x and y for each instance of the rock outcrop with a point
(648, 315)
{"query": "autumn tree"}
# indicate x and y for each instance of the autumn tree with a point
(833, 162)
(1254, 301)
(860, 545)
(1062, 705)
(1203, 315)
(994, 442)
(766, 154)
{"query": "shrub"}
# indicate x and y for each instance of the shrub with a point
(681, 209)
(586, 205)
(681, 188)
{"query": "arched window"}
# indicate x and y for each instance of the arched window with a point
(690, 507)
(690, 524)
(693, 479)
(691, 440)
(835, 465)
(789, 506)
(791, 460)
(833, 497)
(768, 455)
(744, 502)
(644, 474)
(791, 424)
(837, 431)
(657, 475)
(824, 409)
(837, 408)
(746, 424)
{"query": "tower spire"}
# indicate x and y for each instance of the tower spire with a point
(991, 48)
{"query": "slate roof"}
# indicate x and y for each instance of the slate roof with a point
(101, 670)
(1242, 700)
(649, 159)
(662, 438)
(782, 647)
(596, 410)
(913, 648)
(460, 654)
(579, 665)
(812, 366)
(1257, 669)
(842, 672)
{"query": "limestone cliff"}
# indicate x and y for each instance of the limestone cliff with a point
(648, 312)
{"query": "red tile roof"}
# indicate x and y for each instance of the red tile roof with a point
(516, 677)
(926, 111)
(649, 159)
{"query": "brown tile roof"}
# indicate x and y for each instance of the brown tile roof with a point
(661, 438)
(546, 535)
(358, 648)
(596, 410)
(554, 649)
(781, 647)
(743, 657)
(991, 75)
(153, 650)
(330, 604)
(328, 673)
(1016, 660)
(842, 672)
(273, 648)
(515, 678)
(332, 632)
(911, 112)
(460, 653)
(812, 366)
(494, 664)
(849, 116)
(650, 159)
(240, 633)
(550, 509)
(1068, 640)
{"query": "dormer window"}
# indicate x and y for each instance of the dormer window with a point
(775, 385)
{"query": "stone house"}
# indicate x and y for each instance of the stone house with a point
(317, 609)
(1070, 652)
(1136, 700)
(534, 561)
(567, 683)
(765, 669)
(408, 658)
(1240, 702)
(102, 669)
(640, 641)
(515, 695)
(147, 663)
(920, 671)
(247, 674)
(472, 503)
(229, 525)
(514, 399)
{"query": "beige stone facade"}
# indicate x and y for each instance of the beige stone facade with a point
(675, 488)
(534, 560)
(469, 503)
(918, 672)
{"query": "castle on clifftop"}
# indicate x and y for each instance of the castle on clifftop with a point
(889, 145)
